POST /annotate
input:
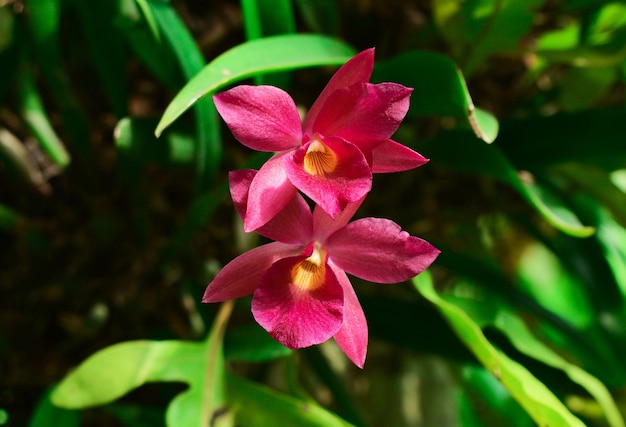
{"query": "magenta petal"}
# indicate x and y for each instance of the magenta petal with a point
(295, 317)
(377, 250)
(324, 225)
(349, 182)
(356, 70)
(352, 336)
(263, 118)
(270, 191)
(364, 114)
(391, 156)
(240, 277)
(293, 224)
(239, 182)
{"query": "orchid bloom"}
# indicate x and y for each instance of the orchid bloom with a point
(332, 155)
(301, 294)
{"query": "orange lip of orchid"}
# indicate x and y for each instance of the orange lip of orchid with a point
(319, 159)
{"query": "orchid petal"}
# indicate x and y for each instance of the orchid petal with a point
(352, 336)
(241, 276)
(293, 224)
(293, 316)
(391, 156)
(324, 225)
(350, 180)
(357, 70)
(269, 193)
(239, 183)
(377, 250)
(263, 118)
(365, 114)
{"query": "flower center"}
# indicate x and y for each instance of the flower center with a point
(319, 159)
(310, 274)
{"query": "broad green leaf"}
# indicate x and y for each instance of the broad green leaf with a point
(46, 414)
(252, 343)
(111, 373)
(439, 89)
(258, 406)
(459, 151)
(567, 137)
(538, 401)
(278, 53)
(191, 61)
(4, 417)
(542, 275)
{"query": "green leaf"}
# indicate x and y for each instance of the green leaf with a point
(321, 16)
(253, 344)
(538, 401)
(517, 331)
(278, 53)
(134, 137)
(44, 30)
(4, 417)
(258, 406)
(480, 28)
(111, 373)
(263, 18)
(36, 119)
(456, 150)
(440, 89)
(191, 61)
(145, 39)
(46, 414)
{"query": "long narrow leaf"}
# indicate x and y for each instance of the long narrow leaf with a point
(265, 55)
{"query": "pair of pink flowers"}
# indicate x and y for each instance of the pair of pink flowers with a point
(301, 294)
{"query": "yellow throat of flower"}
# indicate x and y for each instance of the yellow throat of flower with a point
(310, 274)
(319, 159)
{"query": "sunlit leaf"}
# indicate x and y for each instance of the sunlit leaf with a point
(258, 406)
(538, 401)
(278, 53)
(111, 373)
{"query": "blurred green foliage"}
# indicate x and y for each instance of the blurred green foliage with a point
(108, 234)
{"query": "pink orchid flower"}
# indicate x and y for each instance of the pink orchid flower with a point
(301, 294)
(332, 155)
